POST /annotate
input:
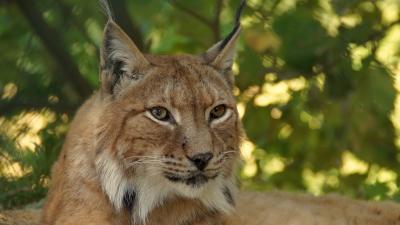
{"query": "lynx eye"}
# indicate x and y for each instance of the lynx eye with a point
(217, 111)
(159, 113)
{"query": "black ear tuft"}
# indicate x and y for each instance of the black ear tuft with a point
(227, 39)
(239, 11)
(221, 55)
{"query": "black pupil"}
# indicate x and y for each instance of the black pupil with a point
(216, 110)
(158, 112)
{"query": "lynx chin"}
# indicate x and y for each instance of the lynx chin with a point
(159, 144)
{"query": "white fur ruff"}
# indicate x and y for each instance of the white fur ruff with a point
(152, 189)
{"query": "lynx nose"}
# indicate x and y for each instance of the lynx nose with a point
(201, 160)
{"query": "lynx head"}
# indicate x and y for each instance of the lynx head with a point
(169, 127)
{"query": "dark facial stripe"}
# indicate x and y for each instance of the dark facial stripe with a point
(195, 181)
(172, 177)
(129, 200)
(228, 196)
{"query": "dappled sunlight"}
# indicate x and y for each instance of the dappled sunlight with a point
(358, 53)
(241, 107)
(386, 52)
(28, 122)
(247, 149)
(246, 21)
(235, 68)
(235, 91)
(273, 93)
(285, 132)
(261, 41)
(314, 121)
(64, 118)
(250, 168)
(284, 6)
(156, 38)
(372, 174)
(351, 20)
(351, 164)
(29, 141)
(275, 89)
(395, 115)
(278, 93)
(11, 169)
(393, 188)
(313, 83)
(388, 177)
(276, 113)
(385, 175)
(53, 99)
(313, 181)
(297, 84)
(390, 11)
(320, 81)
(328, 18)
(273, 164)
(94, 30)
(24, 128)
(10, 90)
(250, 92)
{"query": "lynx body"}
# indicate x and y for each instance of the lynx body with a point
(159, 144)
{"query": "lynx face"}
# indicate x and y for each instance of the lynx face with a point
(168, 127)
(184, 127)
(177, 126)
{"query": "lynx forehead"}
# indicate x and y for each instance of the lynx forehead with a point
(160, 138)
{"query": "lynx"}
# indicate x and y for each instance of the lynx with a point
(159, 144)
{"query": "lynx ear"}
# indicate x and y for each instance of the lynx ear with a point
(221, 55)
(120, 60)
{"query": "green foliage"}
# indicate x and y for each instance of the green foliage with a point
(315, 80)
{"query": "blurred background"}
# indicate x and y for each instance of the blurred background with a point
(316, 84)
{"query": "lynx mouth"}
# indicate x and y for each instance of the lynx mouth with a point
(195, 181)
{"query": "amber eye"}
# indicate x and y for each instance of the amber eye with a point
(217, 111)
(159, 113)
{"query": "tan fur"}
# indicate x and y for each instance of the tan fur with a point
(115, 146)
(109, 132)
(121, 165)
(282, 208)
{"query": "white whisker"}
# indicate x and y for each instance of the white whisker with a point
(129, 165)
(143, 157)
(230, 152)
